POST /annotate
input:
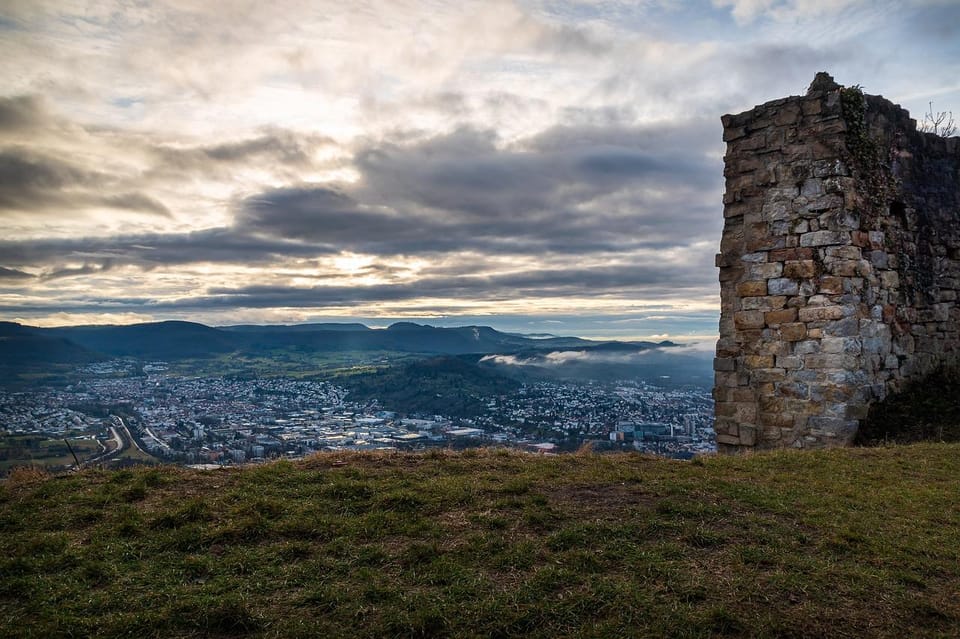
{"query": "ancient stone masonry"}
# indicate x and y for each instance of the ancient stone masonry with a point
(839, 265)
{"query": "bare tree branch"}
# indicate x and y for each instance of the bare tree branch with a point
(939, 123)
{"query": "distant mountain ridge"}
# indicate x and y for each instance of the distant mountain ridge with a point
(172, 340)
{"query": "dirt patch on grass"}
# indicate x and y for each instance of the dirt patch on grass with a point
(600, 501)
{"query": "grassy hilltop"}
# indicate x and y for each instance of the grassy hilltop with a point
(853, 542)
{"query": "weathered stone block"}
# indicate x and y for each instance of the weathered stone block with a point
(941, 312)
(839, 220)
(782, 286)
(843, 252)
(764, 271)
(853, 285)
(850, 345)
(753, 288)
(846, 327)
(807, 346)
(764, 242)
(765, 303)
(733, 133)
(824, 238)
(799, 269)
(769, 375)
(794, 390)
(728, 380)
(878, 259)
(783, 316)
(831, 285)
(826, 203)
(793, 332)
(746, 413)
(860, 238)
(776, 211)
(811, 107)
(724, 364)
(812, 187)
(748, 435)
(731, 274)
(842, 268)
(789, 362)
(782, 228)
(821, 313)
(785, 255)
(748, 319)
(829, 425)
(725, 409)
(758, 361)
(821, 360)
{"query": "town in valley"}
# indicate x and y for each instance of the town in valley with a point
(122, 411)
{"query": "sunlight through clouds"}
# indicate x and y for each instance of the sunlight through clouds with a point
(523, 161)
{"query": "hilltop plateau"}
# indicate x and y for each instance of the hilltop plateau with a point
(491, 543)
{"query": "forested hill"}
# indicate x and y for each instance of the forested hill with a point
(176, 340)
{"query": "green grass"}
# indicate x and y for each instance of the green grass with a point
(841, 543)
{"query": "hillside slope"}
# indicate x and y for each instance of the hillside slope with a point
(841, 543)
(448, 386)
(172, 340)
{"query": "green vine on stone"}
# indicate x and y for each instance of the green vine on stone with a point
(871, 165)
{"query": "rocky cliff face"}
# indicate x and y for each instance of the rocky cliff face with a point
(839, 265)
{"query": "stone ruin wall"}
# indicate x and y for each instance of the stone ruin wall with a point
(839, 265)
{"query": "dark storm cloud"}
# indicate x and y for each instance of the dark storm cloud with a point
(21, 112)
(653, 281)
(136, 202)
(649, 278)
(284, 147)
(37, 182)
(27, 176)
(86, 269)
(459, 173)
(158, 249)
(13, 274)
(295, 212)
(570, 190)
(38, 172)
(272, 145)
(573, 192)
(615, 163)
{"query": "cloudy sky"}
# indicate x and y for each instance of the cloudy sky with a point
(532, 165)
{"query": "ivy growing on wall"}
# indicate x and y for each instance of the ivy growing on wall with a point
(870, 160)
